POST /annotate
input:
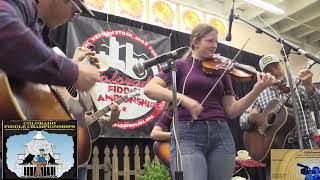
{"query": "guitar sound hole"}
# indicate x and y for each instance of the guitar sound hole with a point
(271, 118)
(72, 91)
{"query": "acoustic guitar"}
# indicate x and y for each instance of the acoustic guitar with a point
(162, 151)
(271, 130)
(30, 101)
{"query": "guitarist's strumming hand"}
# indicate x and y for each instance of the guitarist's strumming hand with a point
(81, 53)
(108, 121)
(88, 74)
(305, 76)
(264, 80)
(253, 115)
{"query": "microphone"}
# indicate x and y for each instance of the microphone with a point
(301, 165)
(139, 68)
(231, 16)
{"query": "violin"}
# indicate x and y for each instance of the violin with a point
(218, 64)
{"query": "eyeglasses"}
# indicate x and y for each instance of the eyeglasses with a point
(78, 11)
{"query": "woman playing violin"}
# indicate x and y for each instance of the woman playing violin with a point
(206, 142)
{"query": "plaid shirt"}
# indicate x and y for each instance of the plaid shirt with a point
(309, 103)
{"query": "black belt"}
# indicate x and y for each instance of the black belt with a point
(292, 140)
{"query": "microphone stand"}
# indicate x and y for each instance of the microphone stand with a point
(288, 46)
(172, 67)
(285, 51)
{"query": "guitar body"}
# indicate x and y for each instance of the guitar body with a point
(32, 101)
(271, 132)
(162, 151)
(84, 145)
(86, 135)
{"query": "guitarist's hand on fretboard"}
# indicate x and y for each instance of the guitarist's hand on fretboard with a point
(115, 111)
(108, 121)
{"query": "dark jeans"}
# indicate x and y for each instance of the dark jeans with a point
(207, 148)
(82, 173)
(306, 144)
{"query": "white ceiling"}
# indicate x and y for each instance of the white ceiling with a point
(300, 24)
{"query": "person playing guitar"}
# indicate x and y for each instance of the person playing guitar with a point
(106, 121)
(26, 58)
(310, 97)
(161, 130)
(161, 134)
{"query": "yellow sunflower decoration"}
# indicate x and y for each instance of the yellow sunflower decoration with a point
(190, 19)
(163, 13)
(97, 4)
(220, 26)
(133, 8)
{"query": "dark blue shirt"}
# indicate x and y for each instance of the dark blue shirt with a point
(23, 55)
(41, 158)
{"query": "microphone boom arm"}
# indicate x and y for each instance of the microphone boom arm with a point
(279, 39)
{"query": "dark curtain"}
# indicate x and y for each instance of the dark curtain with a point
(179, 39)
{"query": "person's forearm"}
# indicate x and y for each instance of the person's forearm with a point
(157, 92)
(160, 135)
(107, 121)
(239, 106)
(25, 57)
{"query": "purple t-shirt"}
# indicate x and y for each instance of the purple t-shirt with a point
(197, 87)
(165, 121)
